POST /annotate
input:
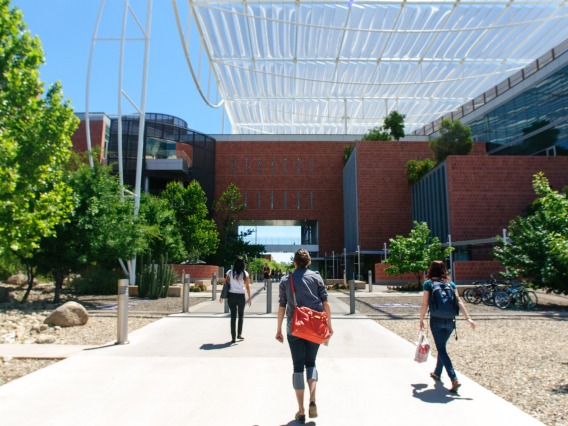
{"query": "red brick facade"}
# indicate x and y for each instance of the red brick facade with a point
(97, 127)
(485, 195)
(476, 270)
(383, 191)
(278, 171)
(382, 277)
(196, 272)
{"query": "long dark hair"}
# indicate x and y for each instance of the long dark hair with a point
(438, 271)
(239, 268)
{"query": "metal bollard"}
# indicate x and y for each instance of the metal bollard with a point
(185, 307)
(269, 298)
(352, 296)
(214, 285)
(370, 281)
(122, 315)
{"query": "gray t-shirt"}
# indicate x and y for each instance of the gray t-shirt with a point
(310, 291)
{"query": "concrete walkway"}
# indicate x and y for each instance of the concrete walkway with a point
(182, 370)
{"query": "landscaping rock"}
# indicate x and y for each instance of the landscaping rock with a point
(69, 314)
(19, 279)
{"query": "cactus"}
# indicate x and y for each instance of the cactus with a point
(155, 277)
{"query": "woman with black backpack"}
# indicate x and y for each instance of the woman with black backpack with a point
(441, 296)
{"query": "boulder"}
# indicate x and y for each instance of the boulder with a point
(19, 279)
(45, 339)
(6, 294)
(70, 314)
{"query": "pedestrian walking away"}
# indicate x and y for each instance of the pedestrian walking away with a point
(442, 299)
(239, 281)
(266, 275)
(310, 291)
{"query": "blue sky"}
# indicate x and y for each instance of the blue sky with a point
(66, 28)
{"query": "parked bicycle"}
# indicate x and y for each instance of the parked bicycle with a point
(493, 286)
(473, 294)
(517, 295)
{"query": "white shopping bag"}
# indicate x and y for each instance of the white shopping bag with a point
(422, 348)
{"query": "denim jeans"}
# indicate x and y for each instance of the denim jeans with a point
(303, 352)
(236, 302)
(441, 331)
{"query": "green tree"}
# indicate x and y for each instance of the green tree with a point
(101, 230)
(538, 247)
(415, 252)
(199, 234)
(394, 124)
(454, 139)
(377, 133)
(164, 238)
(233, 246)
(35, 143)
(392, 128)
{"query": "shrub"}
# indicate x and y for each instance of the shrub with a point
(455, 139)
(99, 281)
(415, 169)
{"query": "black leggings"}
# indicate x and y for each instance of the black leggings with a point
(236, 303)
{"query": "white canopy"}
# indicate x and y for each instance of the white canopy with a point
(339, 67)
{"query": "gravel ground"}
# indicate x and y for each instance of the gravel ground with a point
(522, 358)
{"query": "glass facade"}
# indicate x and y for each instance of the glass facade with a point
(164, 136)
(533, 123)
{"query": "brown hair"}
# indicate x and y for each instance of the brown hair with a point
(302, 258)
(438, 271)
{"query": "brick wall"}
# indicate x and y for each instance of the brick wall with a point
(196, 272)
(79, 138)
(384, 194)
(381, 276)
(476, 270)
(314, 169)
(485, 195)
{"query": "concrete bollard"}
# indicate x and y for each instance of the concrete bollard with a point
(185, 307)
(122, 315)
(370, 282)
(214, 286)
(352, 296)
(269, 298)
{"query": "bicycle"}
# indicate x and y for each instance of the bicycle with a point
(473, 294)
(493, 287)
(516, 294)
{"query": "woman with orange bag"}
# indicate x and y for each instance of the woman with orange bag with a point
(310, 291)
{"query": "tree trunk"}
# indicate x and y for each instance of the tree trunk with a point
(59, 279)
(30, 272)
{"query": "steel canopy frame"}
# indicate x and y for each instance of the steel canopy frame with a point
(145, 31)
(339, 67)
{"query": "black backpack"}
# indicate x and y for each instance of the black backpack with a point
(443, 301)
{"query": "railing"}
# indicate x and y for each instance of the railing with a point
(495, 91)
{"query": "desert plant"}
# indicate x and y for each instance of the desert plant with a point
(155, 277)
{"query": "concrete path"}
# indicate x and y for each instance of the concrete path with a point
(182, 370)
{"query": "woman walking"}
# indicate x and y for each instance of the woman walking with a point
(238, 279)
(442, 325)
(311, 292)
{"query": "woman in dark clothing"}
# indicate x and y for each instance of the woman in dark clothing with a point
(442, 328)
(239, 281)
(311, 292)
